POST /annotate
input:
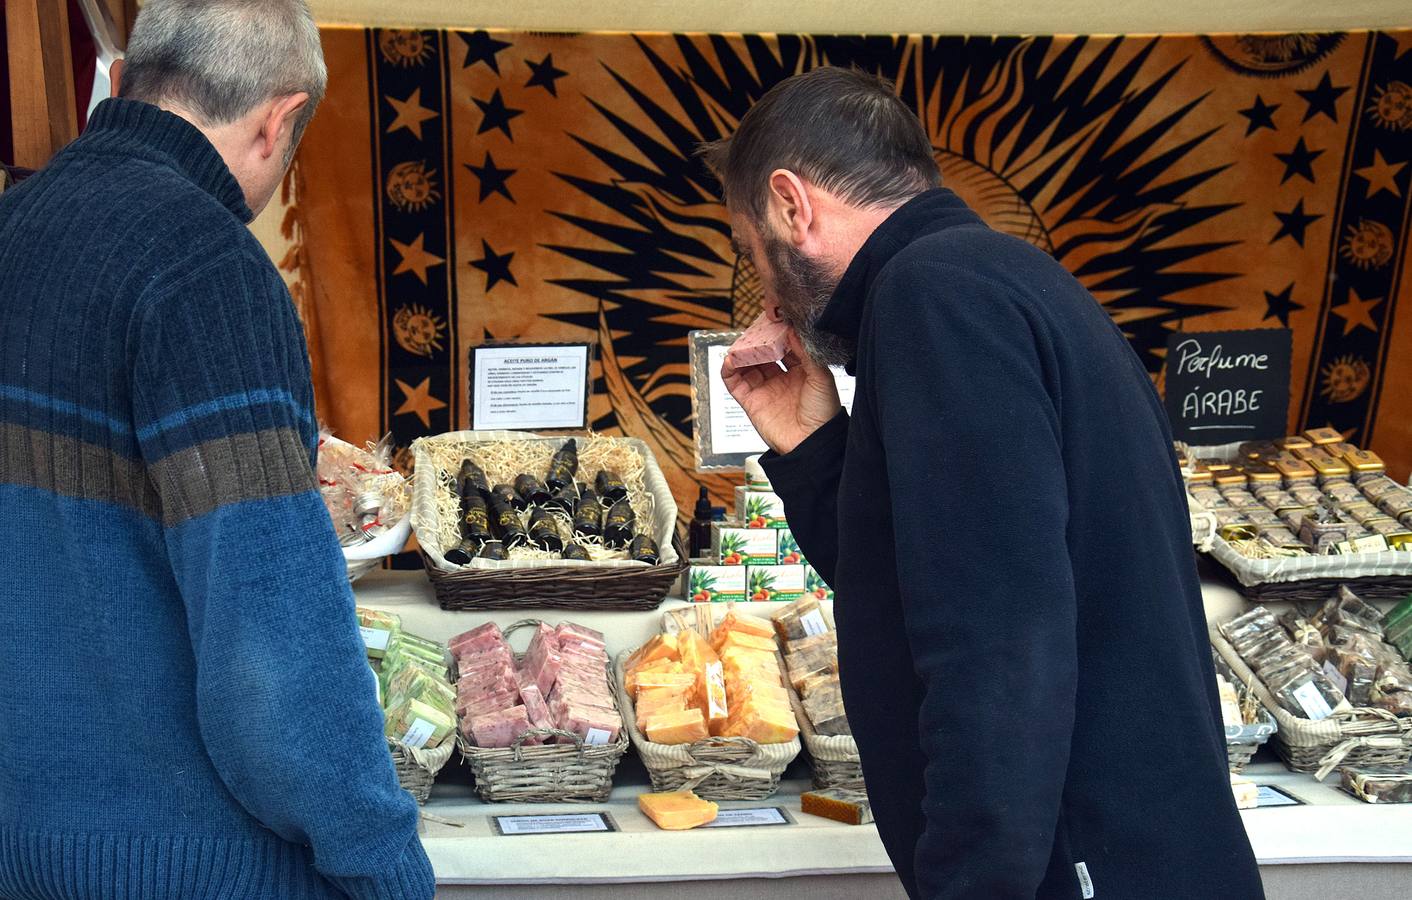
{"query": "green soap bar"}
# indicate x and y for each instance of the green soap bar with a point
(434, 655)
(416, 683)
(379, 630)
(1398, 613)
(418, 724)
(416, 640)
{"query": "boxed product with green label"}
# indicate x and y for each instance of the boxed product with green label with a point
(790, 554)
(736, 546)
(775, 583)
(706, 582)
(814, 583)
(759, 509)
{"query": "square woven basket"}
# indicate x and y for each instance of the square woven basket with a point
(546, 584)
(545, 773)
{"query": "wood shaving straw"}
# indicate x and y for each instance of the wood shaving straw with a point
(1263, 549)
(503, 461)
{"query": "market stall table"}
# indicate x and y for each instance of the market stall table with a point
(1329, 845)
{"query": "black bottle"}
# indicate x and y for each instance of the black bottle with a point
(701, 526)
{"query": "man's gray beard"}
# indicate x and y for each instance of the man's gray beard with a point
(804, 289)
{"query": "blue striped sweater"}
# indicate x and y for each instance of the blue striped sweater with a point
(185, 711)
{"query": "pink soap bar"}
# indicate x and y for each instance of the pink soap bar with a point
(499, 729)
(579, 634)
(762, 343)
(536, 708)
(482, 637)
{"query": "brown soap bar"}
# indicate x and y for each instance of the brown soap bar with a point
(848, 807)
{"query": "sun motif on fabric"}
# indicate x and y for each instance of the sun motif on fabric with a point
(405, 47)
(1368, 245)
(418, 331)
(1391, 106)
(411, 186)
(1345, 379)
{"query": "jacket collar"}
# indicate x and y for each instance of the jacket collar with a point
(146, 131)
(924, 214)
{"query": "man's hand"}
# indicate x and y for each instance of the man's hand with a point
(785, 406)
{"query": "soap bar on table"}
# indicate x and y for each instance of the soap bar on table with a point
(677, 810)
(839, 804)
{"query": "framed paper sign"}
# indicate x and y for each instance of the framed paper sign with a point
(529, 387)
(724, 435)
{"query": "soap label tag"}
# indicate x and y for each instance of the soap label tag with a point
(568, 823)
(814, 624)
(1336, 677)
(738, 818)
(1272, 796)
(1313, 702)
(418, 733)
(374, 638)
(596, 736)
(1085, 882)
(1373, 543)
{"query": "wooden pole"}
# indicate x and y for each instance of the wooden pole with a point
(42, 101)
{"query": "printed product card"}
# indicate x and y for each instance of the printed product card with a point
(759, 509)
(775, 583)
(715, 584)
(569, 823)
(738, 818)
(375, 638)
(418, 733)
(1313, 702)
(747, 546)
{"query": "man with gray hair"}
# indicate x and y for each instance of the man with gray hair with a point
(185, 708)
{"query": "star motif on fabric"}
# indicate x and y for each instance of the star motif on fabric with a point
(496, 266)
(1381, 175)
(1260, 115)
(1299, 161)
(482, 48)
(1293, 223)
(1403, 40)
(415, 258)
(1280, 305)
(1356, 311)
(496, 114)
(1322, 99)
(410, 113)
(492, 180)
(545, 75)
(419, 401)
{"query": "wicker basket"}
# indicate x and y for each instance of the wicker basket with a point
(1374, 576)
(544, 773)
(551, 584)
(716, 768)
(1361, 737)
(416, 767)
(1242, 741)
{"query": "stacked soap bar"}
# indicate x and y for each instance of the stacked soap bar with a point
(561, 682)
(1376, 784)
(413, 679)
(686, 688)
(811, 656)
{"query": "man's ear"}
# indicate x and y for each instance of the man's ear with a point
(789, 206)
(278, 117)
(115, 77)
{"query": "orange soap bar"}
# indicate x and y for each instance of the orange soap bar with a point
(678, 727)
(662, 646)
(734, 621)
(745, 641)
(677, 810)
(655, 667)
(849, 807)
(650, 680)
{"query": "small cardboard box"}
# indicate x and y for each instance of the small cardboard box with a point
(706, 582)
(736, 546)
(759, 509)
(814, 583)
(775, 583)
(790, 554)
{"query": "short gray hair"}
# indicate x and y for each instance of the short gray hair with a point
(219, 59)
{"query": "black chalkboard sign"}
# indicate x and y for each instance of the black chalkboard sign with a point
(1227, 386)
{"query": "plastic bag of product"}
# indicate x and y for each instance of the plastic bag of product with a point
(1379, 784)
(1348, 609)
(1305, 692)
(1304, 634)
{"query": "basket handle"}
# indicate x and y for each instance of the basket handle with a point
(713, 742)
(519, 626)
(519, 744)
(1335, 756)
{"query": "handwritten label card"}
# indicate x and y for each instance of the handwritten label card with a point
(1228, 386)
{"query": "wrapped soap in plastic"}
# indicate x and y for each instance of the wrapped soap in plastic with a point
(1240, 630)
(1398, 703)
(377, 628)
(1307, 693)
(1304, 634)
(1379, 784)
(418, 724)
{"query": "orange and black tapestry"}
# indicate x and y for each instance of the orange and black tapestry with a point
(460, 187)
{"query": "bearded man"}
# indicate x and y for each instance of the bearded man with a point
(1022, 644)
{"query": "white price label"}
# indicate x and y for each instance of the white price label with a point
(735, 818)
(814, 624)
(418, 733)
(1336, 677)
(597, 736)
(374, 638)
(570, 823)
(1313, 702)
(1373, 543)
